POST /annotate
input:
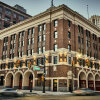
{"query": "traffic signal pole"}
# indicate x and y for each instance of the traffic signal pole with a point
(44, 77)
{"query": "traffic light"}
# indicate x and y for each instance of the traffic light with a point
(87, 62)
(30, 64)
(73, 63)
(17, 63)
(42, 78)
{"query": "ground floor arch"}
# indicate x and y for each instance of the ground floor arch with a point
(18, 80)
(97, 82)
(82, 80)
(28, 80)
(90, 79)
(9, 80)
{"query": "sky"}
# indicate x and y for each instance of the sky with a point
(34, 7)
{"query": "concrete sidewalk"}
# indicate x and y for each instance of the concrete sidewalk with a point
(47, 93)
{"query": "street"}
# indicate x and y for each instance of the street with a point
(54, 98)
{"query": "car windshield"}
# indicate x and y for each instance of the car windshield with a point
(9, 89)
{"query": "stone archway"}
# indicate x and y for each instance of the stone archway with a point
(82, 80)
(9, 80)
(18, 80)
(97, 82)
(28, 80)
(90, 79)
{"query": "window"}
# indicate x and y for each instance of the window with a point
(21, 18)
(55, 47)
(44, 27)
(39, 38)
(43, 37)
(28, 41)
(69, 35)
(69, 23)
(38, 61)
(55, 59)
(7, 18)
(8, 12)
(82, 40)
(79, 28)
(69, 47)
(33, 30)
(0, 9)
(79, 39)
(0, 15)
(29, 31)
(32, 51)
(23, 33)
(82, 30)
(69, 60)
(32, 40)
(14, 15)
(39, 50)
(43, 49)
(55, 23)
(20, 34)
(55, 34)
(39, 28)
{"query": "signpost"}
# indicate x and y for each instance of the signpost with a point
(36, 68)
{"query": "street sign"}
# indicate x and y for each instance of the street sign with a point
(36, 68)
(41, 69)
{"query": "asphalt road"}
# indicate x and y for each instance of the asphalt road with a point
(53, 98)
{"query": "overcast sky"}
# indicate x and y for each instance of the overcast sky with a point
(37, 6)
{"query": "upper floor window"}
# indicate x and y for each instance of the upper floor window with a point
(69, 23)
(15, 15)
(43, 49)
(0, 9)
(82, 30)
(55, 23)
(69, 35)
(29, 31)
(55, 34)
(0, 15)
(43, 37)
(55, 47)
(23, 33)
(55, 59)
(39, 28)
(7, 18)
(39, 50)
(21, 17)
(69, 60)
(69, 47)
(33, 30)
(39, 38)
(8, 12)
(44, 27)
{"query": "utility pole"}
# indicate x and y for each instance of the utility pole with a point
(72, 78)
(44, 76)
(88, 11)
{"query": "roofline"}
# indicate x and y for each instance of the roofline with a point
(15, 9)
(64, 7)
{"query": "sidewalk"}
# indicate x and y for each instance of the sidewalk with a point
(47, 93)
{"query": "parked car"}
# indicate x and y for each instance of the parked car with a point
(10, 92)
(84, 91)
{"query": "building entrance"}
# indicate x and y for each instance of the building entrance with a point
(55, 85)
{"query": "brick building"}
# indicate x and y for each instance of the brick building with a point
(62, 36)
(11, 15)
